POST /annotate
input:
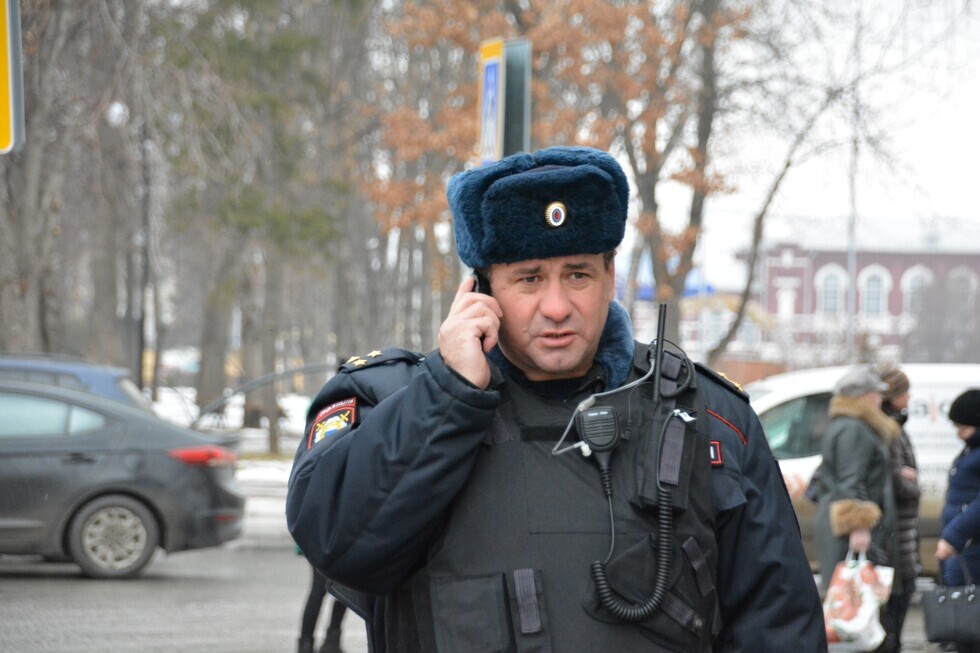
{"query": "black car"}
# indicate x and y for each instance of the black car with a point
(105, 484)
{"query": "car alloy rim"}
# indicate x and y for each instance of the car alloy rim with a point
(114, 537)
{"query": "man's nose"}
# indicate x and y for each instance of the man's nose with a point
(555, 303)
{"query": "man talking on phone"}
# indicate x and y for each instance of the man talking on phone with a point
(542, 481)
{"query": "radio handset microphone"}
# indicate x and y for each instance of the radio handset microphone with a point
(599, 429)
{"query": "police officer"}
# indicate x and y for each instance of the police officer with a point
(451, 496)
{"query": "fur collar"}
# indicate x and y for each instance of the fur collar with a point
(616, 346)
(615, 353)
(885, 427)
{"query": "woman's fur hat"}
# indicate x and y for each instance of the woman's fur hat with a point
(896, 380)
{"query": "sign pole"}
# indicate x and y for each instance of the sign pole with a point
(505, 98)
(517, 96)
(11, 79)
(492, 73)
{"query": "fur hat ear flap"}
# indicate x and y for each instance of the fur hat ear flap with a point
(849, 515)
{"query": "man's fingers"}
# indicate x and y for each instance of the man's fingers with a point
(465, 286)
(489, 342)
(466, 298)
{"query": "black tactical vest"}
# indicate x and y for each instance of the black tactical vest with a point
(510, 571)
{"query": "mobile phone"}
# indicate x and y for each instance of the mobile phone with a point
(482, 284)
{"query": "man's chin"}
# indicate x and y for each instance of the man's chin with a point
(558, 365)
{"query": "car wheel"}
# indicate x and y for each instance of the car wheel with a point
(113, 537)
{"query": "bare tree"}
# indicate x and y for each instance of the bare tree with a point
(834, 103)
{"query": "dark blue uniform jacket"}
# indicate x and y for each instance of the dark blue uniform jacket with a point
(394, 435)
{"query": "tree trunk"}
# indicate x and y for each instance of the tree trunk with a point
(218, 307)
(427, 280)
(268, 394)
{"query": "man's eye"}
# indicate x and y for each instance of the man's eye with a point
(530, 279)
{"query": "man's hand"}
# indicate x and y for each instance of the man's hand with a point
(469, 332)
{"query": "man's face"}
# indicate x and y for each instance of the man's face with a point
(554, 312)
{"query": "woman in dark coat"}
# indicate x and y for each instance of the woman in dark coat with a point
(961, 511)
(905, 483)
(856, 508)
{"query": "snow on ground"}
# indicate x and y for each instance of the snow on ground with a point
(179, 405)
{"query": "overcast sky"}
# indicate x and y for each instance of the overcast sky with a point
(932, 119)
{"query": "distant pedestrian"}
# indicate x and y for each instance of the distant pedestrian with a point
(961, 511)
(311, 612)
(905, 483)
(856, 508)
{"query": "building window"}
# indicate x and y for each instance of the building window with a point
(830, 287)
(915, 284)
(873, 298)
(962, 285)
(874, 284)
(829, 299)
(913, 296)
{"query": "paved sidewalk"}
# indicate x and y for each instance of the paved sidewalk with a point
(264, 484)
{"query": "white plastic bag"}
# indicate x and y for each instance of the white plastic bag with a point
(852, 604)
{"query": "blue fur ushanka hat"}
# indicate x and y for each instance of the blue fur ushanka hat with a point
(556, 202)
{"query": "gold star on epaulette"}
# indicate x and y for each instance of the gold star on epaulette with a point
(734, 383)
(374, 354)
(359, 362)
(350, 360)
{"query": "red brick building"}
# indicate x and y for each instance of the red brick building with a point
(805, 291)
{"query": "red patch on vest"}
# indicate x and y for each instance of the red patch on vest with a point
(714, 447)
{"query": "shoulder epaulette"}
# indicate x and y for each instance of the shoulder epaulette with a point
(722, 380)
(379, 357)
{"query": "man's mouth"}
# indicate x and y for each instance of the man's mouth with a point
(558, 339)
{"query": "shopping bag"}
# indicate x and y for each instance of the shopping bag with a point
(851, 607)
(952, 614)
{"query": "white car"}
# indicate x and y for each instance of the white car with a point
(793, 410)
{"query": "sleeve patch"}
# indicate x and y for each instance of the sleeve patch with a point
(335, 417)
(714, 448)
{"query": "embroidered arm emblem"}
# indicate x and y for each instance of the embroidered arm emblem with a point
(335, 417)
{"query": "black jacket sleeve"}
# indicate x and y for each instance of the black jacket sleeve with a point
(364, 500)
(769, 600)
(900, 457)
